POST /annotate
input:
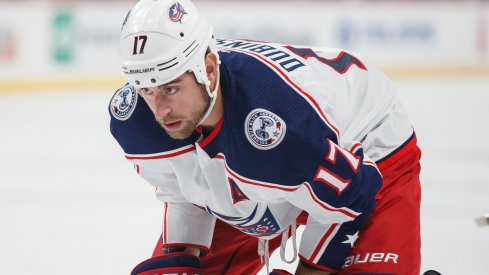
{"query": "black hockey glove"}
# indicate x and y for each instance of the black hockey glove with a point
(175, 263)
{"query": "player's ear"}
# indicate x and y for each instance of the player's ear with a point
(211, 66)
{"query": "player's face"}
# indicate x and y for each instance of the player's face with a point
(178, 106)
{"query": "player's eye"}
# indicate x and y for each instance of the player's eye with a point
(171, 90)
(145, 91)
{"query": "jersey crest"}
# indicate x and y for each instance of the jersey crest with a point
(267, 224)
(264, 129)
(124, 102)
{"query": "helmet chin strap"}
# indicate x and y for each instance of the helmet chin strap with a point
(212, 95)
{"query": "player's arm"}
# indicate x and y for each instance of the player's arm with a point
(186, 237)
(338, 193)
(186, 232)
(186, 228)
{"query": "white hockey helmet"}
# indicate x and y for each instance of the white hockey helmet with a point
(162, 39)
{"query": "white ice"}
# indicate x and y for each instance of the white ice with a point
(71, 204)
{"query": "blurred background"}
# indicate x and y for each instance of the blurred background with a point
(70, 202)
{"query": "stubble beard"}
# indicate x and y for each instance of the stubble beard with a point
(189, 124)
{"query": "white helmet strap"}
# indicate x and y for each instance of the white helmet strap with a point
(212, 94)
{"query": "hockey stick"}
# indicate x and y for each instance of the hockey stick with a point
(483, 221)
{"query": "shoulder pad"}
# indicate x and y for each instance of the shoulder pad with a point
(123, 102)
(135, 128)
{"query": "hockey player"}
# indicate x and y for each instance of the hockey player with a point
(245, 140)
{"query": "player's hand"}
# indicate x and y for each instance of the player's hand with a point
(175, 263)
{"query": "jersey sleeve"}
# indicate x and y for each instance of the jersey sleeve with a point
(326, 246)
(153, 153)
(164, 180)
(339, 196)
(184, 224)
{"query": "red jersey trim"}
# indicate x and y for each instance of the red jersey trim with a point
(327, 207)
(323, 240)
(165, 238)
(169, 154)
(323, 205)
(213, 134)
(398, 153)
(249, 181)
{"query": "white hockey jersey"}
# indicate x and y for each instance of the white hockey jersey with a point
(301, 131)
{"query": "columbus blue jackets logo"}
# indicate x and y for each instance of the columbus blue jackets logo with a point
(124, 102)
(264, 129)
(267, 225)
(176, 12)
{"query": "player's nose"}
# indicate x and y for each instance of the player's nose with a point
(162, 106)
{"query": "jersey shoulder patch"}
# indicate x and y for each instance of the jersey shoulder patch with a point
(133, 125)
(264, 129)
(123, 102)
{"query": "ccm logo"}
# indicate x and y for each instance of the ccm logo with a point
(371, 258)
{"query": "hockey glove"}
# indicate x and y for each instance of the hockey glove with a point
(279, 272)
(175, 263)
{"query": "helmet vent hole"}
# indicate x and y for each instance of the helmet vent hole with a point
(137, 82)
(153, 80)
(182, 34)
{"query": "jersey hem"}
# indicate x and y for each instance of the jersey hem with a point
(397, 154)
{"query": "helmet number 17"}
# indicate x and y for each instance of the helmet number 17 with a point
(137, 46)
